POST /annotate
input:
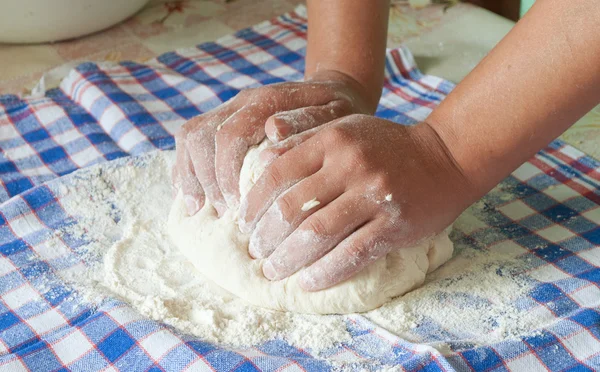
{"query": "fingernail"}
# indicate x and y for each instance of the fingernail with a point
(269, 270)
(245, 227)
(191, 204)
(283, 127)
(221, 208)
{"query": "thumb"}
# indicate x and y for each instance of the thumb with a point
(287, 123)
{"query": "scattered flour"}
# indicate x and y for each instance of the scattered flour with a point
(471, 296)
(123, 211)
(121, 214)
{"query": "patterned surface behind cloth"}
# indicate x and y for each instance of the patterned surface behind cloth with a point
(105, 112)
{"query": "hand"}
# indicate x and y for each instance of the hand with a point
(374, 186)
(212, 146)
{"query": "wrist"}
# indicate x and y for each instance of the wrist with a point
(460, 185)
(365, 99)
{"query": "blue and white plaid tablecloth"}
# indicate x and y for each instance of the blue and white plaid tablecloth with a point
(102, 113)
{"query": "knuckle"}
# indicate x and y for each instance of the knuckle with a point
(266, 92)
(199, 134)
(316, 225)
(355, 118)
(355, 156)
(357, 251)
(273, 177)
(270, 89)
(337, 136)
(381, 181)
(286, 207)
(270, 153)
(267, 156)
(278, 151)
(180, 135)
(194, 122)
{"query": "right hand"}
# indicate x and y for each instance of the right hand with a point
(211, 147)
(379, 185)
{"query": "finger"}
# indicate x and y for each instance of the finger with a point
(317, 235)
(287, 123)
(295, 165)
(193, 194)
(246, 127)
(291, 209)
(200, 142)
(366, 245)
(237, 134)
(202, 148)
(268, 155)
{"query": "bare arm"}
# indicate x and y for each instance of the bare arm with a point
(384, 186)
(349, 37)
(542, 77)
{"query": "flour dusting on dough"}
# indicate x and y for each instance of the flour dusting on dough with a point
(216, 246)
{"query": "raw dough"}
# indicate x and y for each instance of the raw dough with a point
(219, 250)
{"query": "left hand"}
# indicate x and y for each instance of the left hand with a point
(379, 186)
(211, 147)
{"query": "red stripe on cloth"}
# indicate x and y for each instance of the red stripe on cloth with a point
(574, 163)
(554, 173)
(397, 58)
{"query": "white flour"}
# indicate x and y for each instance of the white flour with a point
(123, 210)
(140, 265)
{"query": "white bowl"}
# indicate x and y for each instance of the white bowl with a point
(36, 21)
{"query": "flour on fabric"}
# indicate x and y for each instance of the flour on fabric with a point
(121, 214)
(122, 211)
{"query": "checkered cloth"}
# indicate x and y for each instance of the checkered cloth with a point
(102, 113)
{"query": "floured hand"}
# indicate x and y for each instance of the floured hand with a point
(212, 146)
(334, 200)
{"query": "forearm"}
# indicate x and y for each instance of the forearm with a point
(349, 36)
(535, 84)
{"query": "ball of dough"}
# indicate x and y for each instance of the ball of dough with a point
(219, 251)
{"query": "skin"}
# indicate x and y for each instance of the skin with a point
(383, 186)
(212, 146)
(369, 203)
